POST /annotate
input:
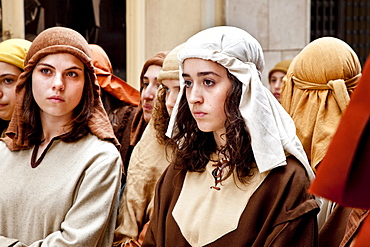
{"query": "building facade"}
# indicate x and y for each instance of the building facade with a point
(131, 31)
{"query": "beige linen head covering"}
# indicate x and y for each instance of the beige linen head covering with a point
(316, 91)
(170, 68)
(272, 130)
(51, 41)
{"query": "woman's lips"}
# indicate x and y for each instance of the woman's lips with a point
(56, 99)
(199, 114)
(147, 107)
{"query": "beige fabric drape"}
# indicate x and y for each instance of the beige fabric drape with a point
(316, 91)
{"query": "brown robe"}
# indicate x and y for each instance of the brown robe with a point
(342, 226)
(279, 213)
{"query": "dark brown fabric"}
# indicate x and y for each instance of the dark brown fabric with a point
(3, 127)
(51, 41)
(279, 213)
(121, 119)
(341, 227)
(333, 231)
(138, 126)
(356, 217)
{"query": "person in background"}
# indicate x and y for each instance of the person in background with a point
(276, 77)
(239, 175)
(343, 175)
(148, 90)
(148, 159)
(60, 169)
(120, 100)
(12, 55)
(316, 92)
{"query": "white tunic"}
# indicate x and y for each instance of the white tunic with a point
(69, 199)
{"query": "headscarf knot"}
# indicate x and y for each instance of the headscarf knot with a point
(339, 88)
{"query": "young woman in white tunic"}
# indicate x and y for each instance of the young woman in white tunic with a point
(60, 169)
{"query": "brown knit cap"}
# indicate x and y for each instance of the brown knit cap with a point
(52, 41)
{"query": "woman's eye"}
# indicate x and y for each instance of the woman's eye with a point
(145, 84)
(72, 74)
(208, 82)
(45, 71)
(188, 83)
(8, 81)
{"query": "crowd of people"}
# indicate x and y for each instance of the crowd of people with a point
(202, 155)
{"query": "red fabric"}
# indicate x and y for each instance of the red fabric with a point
(363, 238)
(343, 175)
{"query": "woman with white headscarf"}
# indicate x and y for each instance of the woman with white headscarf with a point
(239, 174)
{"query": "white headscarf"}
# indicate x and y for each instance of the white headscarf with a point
(272, 131)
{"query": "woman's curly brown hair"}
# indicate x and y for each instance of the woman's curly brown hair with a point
(194, 147)
(160, 116)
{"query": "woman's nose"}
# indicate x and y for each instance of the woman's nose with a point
(149, 92)
(58, 83)
(278, 83)
(194, 94)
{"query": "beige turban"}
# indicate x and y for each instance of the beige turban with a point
(316, 91)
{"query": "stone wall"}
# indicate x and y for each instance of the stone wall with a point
(281, 26)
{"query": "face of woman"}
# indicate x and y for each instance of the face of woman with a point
(172, 90)
(276, 82)
(207, 86)
(9, 74)
(57, 85)
(149, 91)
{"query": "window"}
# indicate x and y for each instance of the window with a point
(348, 20)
